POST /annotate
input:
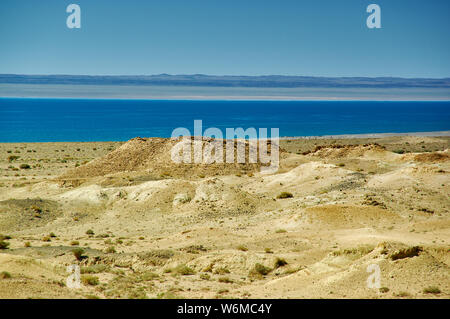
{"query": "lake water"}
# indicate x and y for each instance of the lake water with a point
(57, 120)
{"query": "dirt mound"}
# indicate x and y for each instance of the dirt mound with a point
(372, 151)
(435, 157)
(153, 155)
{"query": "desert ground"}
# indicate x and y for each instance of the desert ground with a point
(141, 226)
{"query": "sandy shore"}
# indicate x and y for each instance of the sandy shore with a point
(371, 135)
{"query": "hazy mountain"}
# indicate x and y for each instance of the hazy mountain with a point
(269, 81)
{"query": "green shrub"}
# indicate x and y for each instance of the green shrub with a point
(407, 253)
(110, 250)
(225, 280)
(184, 270)
(280, 262)
(432, 290)
(242, 248)
(78, 253)
(94, 269)
(24, 166)
(285, 195)
(205, 277)
(221, 271)
(90, 280)
(4, 244)
(12, 158)
(260, 269)
(5, 275)
(90, 232)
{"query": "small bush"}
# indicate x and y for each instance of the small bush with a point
(260, 269)
(90, 232)
(205, 277)
(4, 244)
(75, 243)
(280, 262)
(384, 289)
(12, 158)
(407, 253)
(268, 251)
(184, 270)
(285, 195)
(221, 271)
(110, 250)
(52, 235)
(94, 269)
(242, 248)
(432, 290)
(225, 280)
(27, 244)
(90, 280)
(5, 275)
(402, 294)
(46, 238)
(24, 166)
(148, 275)
(78, 253)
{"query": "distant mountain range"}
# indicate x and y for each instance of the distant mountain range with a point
(266, 81)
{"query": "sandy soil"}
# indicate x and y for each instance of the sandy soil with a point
(152, 229)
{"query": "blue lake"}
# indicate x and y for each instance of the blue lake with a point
(55, 120)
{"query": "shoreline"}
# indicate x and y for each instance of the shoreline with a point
(371, 135)
(312, 137)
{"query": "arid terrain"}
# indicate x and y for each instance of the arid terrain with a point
(140, 226)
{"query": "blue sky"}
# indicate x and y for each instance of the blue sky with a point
(233, 37)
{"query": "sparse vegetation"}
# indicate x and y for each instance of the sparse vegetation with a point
(432, 290)
(5, 275)
(90, 280)
(283, 195)
(242, 248)
(222, 271)
(78, 253)
(110, 250)
(280, 262)
(183, 270)
(260, 270)
(94, 269)
(407, 253)
(225, 280)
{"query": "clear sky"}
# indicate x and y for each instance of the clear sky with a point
(226, 37)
